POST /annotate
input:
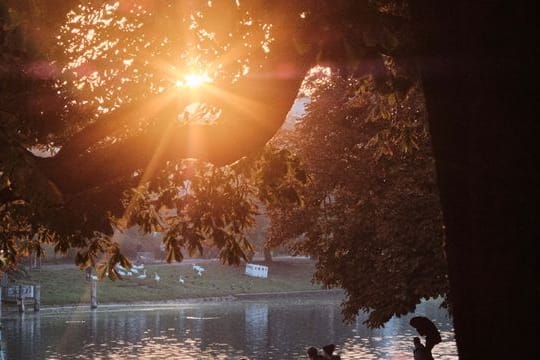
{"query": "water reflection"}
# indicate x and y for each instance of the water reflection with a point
(274, 329)
(256, 320)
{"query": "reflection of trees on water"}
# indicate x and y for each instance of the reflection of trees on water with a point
(94, 321)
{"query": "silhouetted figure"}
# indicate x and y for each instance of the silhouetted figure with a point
(420, 352)
(427, 328)
(328, 352)
(313, 353)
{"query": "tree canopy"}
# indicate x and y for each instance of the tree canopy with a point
(102, 113)
(99, 101)
(371, 214)
(108, 105)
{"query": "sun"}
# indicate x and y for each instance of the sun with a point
(193, 80)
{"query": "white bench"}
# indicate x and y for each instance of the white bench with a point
(257, 270)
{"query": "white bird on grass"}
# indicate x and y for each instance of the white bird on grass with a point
(156, 277)
(94, 277)
(143, 276)
(121, 268)
(181, 280)
(198, 269)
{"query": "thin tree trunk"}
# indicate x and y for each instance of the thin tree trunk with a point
(267, 255)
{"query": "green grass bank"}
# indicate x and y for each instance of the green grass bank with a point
(66, 285)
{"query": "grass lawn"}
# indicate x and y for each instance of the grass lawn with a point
(67, 285)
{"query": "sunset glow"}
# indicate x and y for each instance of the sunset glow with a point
(193, 80)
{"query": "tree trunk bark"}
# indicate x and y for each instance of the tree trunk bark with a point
(478, 64)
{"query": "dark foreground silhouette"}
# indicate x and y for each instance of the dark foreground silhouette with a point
(427, 328)
(327, 353)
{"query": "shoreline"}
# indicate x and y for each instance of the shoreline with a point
(12, 311)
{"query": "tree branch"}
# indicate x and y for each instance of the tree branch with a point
(252, 110)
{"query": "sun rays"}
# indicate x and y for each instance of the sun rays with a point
(140, 75)
(193, 80)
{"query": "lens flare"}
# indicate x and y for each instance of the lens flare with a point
(194, 80)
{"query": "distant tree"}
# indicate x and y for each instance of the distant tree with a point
(257, 235)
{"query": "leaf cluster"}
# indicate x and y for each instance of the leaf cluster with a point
(197, 205)
(371, 215)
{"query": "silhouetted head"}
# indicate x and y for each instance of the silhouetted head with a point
(329, 349)
(416, 341)
(312, 352)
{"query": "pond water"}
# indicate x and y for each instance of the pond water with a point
(278, 328)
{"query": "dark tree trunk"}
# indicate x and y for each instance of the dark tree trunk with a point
(478, 62)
